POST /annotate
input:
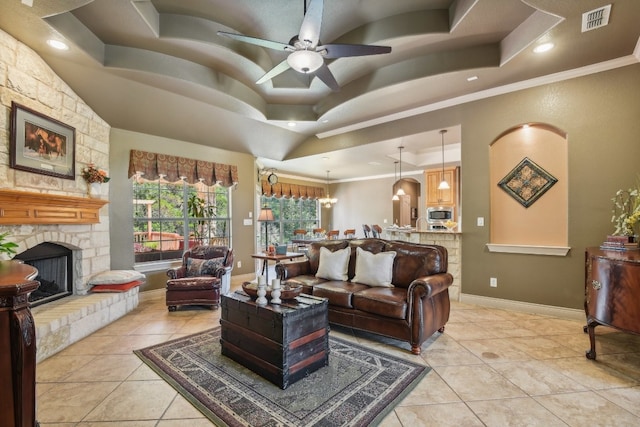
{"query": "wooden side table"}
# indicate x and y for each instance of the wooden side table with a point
(18, 344)
(275, 257)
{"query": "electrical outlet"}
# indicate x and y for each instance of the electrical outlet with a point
(480, 221)
(239, 264)
(493, 282)
(384, 221)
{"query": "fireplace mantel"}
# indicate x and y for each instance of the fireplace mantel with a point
(21, 207)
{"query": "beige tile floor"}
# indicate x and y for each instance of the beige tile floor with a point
(491, 367)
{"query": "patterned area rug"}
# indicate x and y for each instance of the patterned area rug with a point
(358, 388)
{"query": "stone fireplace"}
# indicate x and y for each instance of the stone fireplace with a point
(78, 230)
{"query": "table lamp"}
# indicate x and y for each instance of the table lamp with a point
(266, 215)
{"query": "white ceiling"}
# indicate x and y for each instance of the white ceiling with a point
(158, 67)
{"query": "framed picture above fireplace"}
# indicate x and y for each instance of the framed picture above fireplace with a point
(41, 144)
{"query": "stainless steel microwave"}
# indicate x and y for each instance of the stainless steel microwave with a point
(439, 214)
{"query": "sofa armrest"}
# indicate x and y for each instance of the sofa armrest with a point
(177, 272)
(428, 286)
(291, 269)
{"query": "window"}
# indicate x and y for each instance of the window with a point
(168, 217)
(289, 214)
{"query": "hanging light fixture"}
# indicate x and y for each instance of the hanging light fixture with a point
(400, 191)
(327, 202)
(395, 177)
(444, 185)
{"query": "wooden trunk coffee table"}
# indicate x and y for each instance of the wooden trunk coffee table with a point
(281, 342)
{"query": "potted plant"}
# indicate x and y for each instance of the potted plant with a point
(197, 208)
(7, 248)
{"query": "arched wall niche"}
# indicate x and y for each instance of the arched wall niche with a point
(520, 222)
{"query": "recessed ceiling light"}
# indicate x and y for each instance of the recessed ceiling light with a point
(325, 158)
(472, 78)
(57, 44)
(325, 121)
(544, 47)
(291, 124)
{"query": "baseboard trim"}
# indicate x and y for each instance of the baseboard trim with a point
(525, 307)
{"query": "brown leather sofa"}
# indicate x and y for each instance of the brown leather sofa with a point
(412, 310)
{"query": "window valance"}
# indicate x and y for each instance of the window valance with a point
(283, 189)
(174, 168)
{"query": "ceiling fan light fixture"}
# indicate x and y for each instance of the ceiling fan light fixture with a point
(305, 61)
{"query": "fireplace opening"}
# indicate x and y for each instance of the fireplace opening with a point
(55, 271)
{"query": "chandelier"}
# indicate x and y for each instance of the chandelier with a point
(328, 201)
(400, 191)
(395, 197)
(444, 185)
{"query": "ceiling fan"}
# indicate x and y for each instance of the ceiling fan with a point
(306, 55)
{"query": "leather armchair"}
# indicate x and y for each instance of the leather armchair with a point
(204, 275)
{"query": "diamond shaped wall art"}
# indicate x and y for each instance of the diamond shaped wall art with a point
(527, 182)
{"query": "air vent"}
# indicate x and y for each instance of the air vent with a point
(596, 18)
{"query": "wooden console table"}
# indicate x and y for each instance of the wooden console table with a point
(612, 292)
(18, 344)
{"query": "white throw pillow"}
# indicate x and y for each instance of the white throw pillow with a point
(333, 265)
(374, 269)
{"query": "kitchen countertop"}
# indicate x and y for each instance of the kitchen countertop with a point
(413, 230)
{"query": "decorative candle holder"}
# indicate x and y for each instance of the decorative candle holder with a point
(275, 291)
(262, 291)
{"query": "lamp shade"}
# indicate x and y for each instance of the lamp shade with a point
(266, 214)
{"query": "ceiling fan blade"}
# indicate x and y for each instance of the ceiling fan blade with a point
(310, 28)
(278, 69)
(259, 42)
(344, 50)
(324, 74)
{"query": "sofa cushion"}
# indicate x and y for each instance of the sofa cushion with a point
(374, 269)
(313, 254)
(203, 267)
(333, 265)
(193, 283)
(115, 277)
(338, 293)
(388, 302)
(370, 245)
(307, 281)
(415, 260)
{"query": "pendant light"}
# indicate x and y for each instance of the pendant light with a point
(400, 191)
(444, 185)
(395, 179)
(327, 202)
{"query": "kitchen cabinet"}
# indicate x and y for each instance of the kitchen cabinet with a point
(612, 292)
(436, 197)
